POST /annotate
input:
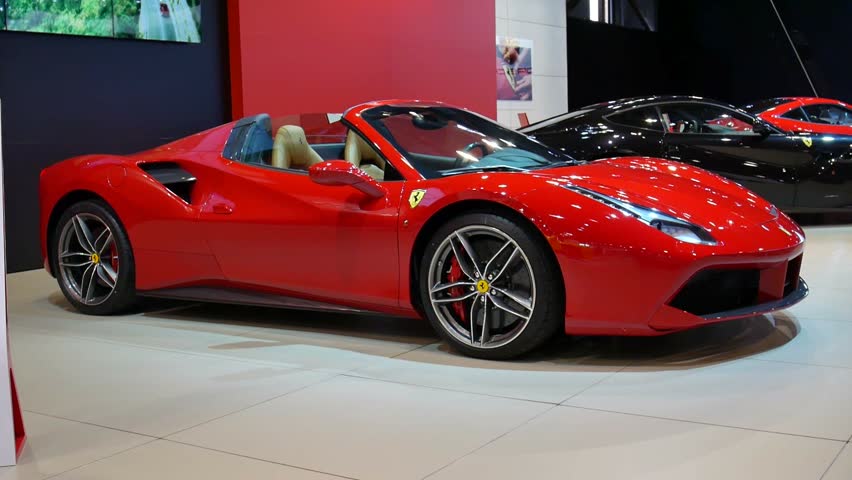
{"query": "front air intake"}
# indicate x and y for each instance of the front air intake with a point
(718, 290)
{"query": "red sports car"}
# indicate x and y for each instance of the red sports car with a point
(805, 114)
(419, 209)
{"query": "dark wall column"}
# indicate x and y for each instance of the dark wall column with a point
(66, 95)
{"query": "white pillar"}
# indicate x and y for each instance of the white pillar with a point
(7, 424)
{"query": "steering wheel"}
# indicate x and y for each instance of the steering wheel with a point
(462, 161)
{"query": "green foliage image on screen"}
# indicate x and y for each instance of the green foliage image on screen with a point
(170, 20)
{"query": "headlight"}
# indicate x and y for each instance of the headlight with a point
(671, 226)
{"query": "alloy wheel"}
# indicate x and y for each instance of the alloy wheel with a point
(87, 259)
(481, 287)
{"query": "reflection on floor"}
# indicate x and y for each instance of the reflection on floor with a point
(189, 390)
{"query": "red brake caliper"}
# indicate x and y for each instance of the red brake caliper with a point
(113, 257)
(455, 275)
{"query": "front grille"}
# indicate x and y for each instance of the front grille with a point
(718, 290)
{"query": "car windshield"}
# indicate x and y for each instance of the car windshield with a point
(442, 141)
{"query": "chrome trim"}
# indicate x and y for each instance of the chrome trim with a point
(791, 299)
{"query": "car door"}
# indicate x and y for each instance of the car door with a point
(827, 182)
(723, 140)
(635, 131)
(277, 229)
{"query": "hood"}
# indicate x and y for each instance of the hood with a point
(689, 193)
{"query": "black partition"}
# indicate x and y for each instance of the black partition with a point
(67, 95)
(731, 50)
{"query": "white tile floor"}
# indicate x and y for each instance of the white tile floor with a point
(204, 391)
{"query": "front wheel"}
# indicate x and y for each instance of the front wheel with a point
(490, 287)
(92, 259)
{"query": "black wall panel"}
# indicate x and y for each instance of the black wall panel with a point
(66, 95)
(730, 50)
(607, 62)
(735, 51)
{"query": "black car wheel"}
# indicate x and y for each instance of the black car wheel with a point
(490, 286)
(92, 259)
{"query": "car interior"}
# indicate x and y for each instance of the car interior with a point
(251, 142)
(703, 121)
(828, 114)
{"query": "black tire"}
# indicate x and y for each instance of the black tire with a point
(548, 307)
(123, 295)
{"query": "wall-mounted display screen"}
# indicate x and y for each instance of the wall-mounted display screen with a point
(169, 20)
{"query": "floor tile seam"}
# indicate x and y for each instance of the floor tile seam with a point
(150, 441)
(489, 442)
(249, 457)
(806, 364)
(234, 412)
(698, 422)
(91, 424)
(612, 374)
(833, 461)
(413, 350)
(176, 351)
(354, 374)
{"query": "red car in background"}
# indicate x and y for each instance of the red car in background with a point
(805, 114)
(417, 208)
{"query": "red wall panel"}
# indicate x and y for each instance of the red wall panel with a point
(326, 55)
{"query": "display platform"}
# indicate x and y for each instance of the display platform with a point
(188, 390)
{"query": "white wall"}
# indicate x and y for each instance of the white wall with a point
(543, 22)
(7, 425)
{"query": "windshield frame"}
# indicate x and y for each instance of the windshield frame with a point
(521, 145)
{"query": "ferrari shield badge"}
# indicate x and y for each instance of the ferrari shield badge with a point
(807, 141)
(415, 197)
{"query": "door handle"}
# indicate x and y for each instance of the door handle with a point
(223, 208)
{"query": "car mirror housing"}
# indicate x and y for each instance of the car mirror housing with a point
(340, 172)
(761, 129)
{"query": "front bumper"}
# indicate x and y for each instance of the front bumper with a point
(645, 293)
(794, 297)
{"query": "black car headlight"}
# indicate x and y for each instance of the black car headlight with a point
(671, 226)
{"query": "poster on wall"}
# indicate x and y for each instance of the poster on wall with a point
(514, 69)
(167, 20)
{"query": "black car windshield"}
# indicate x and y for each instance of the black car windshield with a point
(441, 141)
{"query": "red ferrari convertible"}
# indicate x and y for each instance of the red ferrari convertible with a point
(418, 209)
(805, 115)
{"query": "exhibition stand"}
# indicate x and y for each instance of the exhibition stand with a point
(12, 434)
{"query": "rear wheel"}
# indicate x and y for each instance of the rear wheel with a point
(92, 259)
(490, 287)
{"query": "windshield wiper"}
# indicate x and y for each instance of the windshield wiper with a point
(492, 168)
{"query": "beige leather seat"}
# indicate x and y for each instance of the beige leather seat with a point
(291, 149)
(363, 156)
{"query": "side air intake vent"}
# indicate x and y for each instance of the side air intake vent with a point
(176, 179)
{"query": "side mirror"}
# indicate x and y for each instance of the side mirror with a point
(761, 129)
(340, 172)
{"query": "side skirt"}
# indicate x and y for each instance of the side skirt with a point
(247, 297)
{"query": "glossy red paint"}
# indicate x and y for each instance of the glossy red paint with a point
(307, 56)
(314, 236)
(775, 116)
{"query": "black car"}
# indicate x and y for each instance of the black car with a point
(799, 173)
